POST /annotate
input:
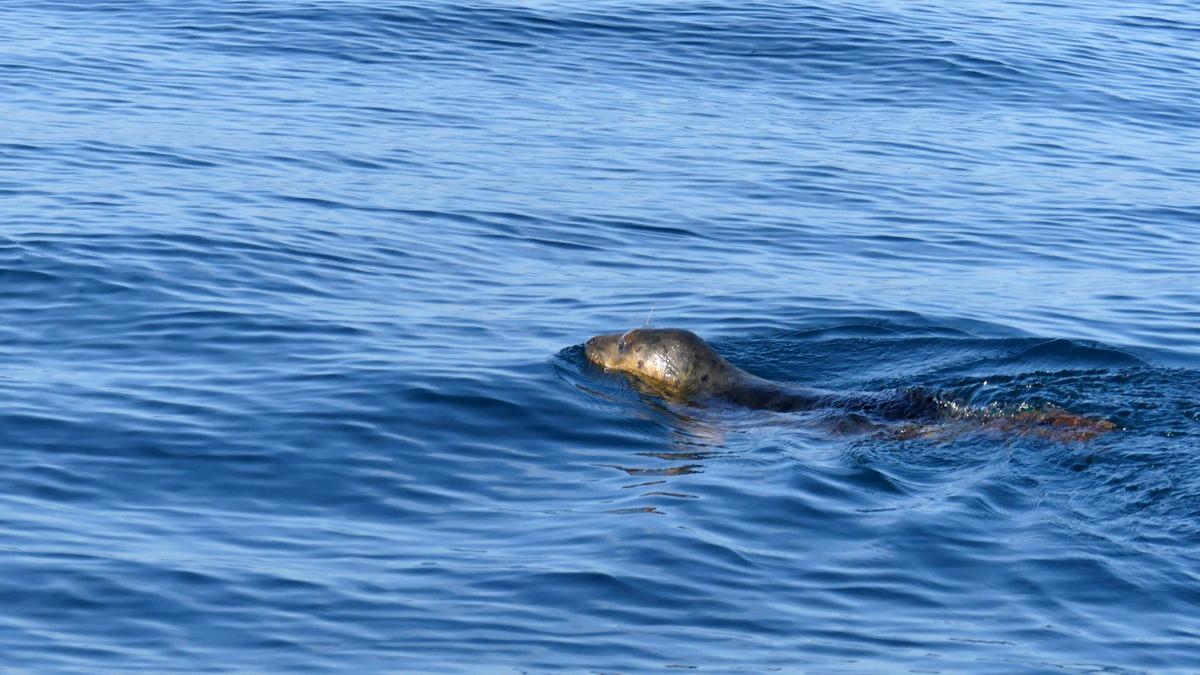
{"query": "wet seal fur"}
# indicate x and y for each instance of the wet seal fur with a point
(678, 366)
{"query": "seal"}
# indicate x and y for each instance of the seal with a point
(677, 365)
(680, 367)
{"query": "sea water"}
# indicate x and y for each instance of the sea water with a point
(294, 295)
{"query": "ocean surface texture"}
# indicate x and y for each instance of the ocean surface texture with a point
(295, 292)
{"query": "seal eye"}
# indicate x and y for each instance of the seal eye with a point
(621, 346)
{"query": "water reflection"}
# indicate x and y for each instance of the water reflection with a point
(657, 471)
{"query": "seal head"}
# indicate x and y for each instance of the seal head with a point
(672, 362)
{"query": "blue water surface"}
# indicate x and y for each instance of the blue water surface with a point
(294, 294)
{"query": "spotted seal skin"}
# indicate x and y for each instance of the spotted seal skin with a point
(679, 366)
(676, 362)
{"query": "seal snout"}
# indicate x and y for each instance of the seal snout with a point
(602, 350)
